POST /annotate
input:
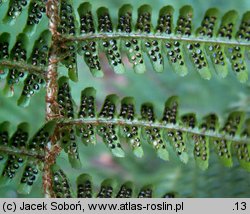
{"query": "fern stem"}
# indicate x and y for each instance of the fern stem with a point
(166, 37)
(168, 127)
(14, 151)
(52, 8)
(51, 77)
(23, 66)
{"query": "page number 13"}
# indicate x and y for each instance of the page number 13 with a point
(240, 206)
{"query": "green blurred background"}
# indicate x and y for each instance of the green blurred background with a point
(196, 95)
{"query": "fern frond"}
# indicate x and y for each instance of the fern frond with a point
(207, 48)
(171, 132)
(19, 153)
(214, 46)
(62, 188)
(209, 44)
(16, 66)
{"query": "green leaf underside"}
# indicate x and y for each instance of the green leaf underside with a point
(153, 135)
(215, 43)
(129, 132)
(177, 139)
(214, 46)
(242, 151)
(17, 66)
(85, 189)
(171, 132)
(109, 133)
(36, 11)
(89, 50)
(109, 47)
(33, 83)
(207, 47)
(15, 63)
(232, 126)
(67, 27)
(132, 47)
(19, 153)
(68, 138)
(15, 8)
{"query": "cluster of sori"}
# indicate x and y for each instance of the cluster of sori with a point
(19, 153)
(172, 132)
(180, 43)
(33, 81)
(62, 189)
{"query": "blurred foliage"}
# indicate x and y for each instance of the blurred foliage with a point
(196, 94)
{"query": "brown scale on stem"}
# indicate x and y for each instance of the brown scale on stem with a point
(50, 159)
(51, 77)
(52, 108)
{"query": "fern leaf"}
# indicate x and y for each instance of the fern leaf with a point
(42, 137)
(146, 192)
(89, 50)
(36, 12)
(62, 188)
(15, 8)
(243, 150)
(201, 143)
(84, 186)
(39, 56)
(207, 47)
(30, 175)
(18, 153)
(176, 138)
(14, 162)
(106, 190)
(109, 46)
(174, 53)
(152, 47)
(234, 53)
(214, 45)
(87, 132)
(129, 132)
(18, 53)
(109, 133)
(67, 27)
(126, 190)
(132, 47)
(4, 139)
(16, 66)
(231, 127)
(172, 131)
(60, 183)
(153, 135)
(68, 138)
